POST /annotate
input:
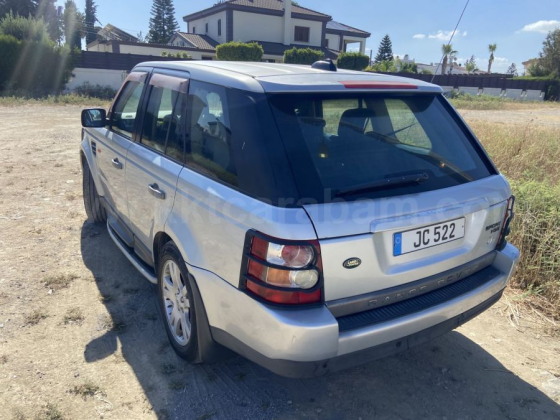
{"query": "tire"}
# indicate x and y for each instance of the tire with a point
(174, 284)
(92, 203)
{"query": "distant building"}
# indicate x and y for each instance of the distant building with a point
(527, 65)
(112, 33)
(436, 68)
(275, 24)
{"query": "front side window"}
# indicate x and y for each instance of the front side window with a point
(125, 110)
(209, 150)
(372, 145)
(301, 34)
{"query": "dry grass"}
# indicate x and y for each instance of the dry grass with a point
(87, 389)
(530, 158)
(35, 317)
(11, 101)
(51, 413)
(73, 316)
(522, 152)
(59, 281)
(487, 102)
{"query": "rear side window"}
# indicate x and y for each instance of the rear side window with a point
(164, 124)
(159, 118)
(125, 110)
(406, 127)
(358, 145)
(210, 147)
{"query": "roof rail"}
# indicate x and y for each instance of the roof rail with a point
(326, 65)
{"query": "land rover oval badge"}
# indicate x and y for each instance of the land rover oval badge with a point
(351, 263)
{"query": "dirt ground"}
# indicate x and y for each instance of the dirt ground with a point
(81, 338)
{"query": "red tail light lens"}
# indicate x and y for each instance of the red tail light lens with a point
(282, 272)
(508, 217)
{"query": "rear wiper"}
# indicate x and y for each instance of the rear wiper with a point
(384, 183)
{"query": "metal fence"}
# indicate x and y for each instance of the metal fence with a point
(114, 61)
(477, 81)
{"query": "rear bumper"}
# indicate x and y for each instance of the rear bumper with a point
(294, 369)
(299, 343)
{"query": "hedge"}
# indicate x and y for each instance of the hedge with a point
(551, 89)
(239, 51)
(31, 68)
(352, 61)
(302, 56)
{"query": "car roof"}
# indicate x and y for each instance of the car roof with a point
(274, 77)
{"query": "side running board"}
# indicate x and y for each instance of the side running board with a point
(146, 271)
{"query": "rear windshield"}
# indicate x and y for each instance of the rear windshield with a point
(368, 145)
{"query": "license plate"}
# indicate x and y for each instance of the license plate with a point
(428, 236)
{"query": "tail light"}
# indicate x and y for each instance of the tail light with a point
(508, 217)
(280, 271)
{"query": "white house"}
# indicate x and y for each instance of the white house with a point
(276, 25)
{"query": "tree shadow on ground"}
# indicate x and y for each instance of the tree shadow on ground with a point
(451, 377)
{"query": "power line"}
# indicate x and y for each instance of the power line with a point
(451, 39)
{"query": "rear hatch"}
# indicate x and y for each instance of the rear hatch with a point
(397, 187)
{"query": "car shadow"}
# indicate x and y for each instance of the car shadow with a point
(451, 377)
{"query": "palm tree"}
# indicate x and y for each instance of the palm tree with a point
(491, 49)
(448, 51)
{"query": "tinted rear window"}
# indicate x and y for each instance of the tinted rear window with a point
(338, 143)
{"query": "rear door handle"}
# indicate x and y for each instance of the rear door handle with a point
(116, 163)
(156, 192)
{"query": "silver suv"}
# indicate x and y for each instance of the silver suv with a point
(306, 218)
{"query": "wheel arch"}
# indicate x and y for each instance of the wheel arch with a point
(86, 157)
(209, 351)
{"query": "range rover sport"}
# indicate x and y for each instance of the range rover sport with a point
(306, 218)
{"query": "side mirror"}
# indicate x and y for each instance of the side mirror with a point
(94, 118)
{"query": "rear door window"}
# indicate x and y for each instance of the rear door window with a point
(359, 145)
(164, 124)
(209, 150)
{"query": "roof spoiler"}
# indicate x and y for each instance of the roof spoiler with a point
(326, 65)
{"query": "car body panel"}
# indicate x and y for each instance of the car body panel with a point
(313, 334)
(147, 213)
(210, 221)
(365, 229)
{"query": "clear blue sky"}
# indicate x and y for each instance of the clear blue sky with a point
(417, 28)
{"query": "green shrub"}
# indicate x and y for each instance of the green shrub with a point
(182, 55)
(239, 51)
(302, 56)
(352, 61)
(31, 68)
(23, 28)
(95, 91)
(387, 66)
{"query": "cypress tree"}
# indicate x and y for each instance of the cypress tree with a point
(385, 51)
(47, 11)
(90, 20)
(73, 21)
(23, 8)
(162, 23)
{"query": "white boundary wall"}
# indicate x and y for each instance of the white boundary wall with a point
(112, 78)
